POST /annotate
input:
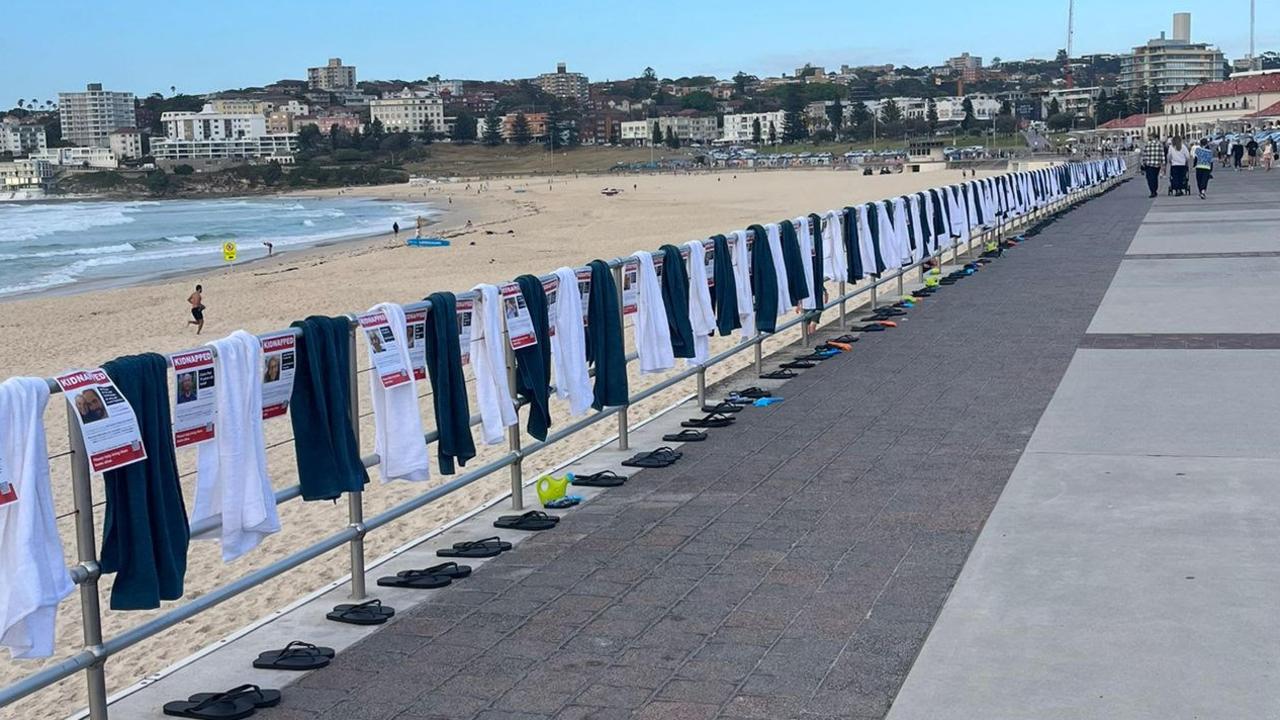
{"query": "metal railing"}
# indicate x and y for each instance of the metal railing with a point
(85, 573)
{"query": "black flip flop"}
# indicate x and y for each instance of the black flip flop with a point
(415, 580)
(754, 393)
(724, 407)
(450, 569)
(476, 549)
(532, 521)
(259, 697)
(370, 612)
(660, 458)
(797, 365)
(603, 479)
(712, 420)
(297, 655)
(218, 706)
(780, 374)
(871, 328)
(846, 339)
(685, 436)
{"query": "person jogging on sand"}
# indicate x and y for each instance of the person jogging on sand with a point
(196, 299)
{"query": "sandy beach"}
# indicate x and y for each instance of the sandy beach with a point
(516, 226)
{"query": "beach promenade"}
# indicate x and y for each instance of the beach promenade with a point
(1047, 493)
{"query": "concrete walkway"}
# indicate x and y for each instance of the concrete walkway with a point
(789, 567)
(1132, 567)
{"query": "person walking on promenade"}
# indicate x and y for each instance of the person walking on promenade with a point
(1251, 147)
(1204, 166)
(1179, 160)
(1237, 154)
(1153, 163)
(1268, 153)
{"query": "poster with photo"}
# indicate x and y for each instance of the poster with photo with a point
(8, 493)
(516, 314)
(107, 422)
(415, 334)
(194, 408)
(630, 287)
(551, 288)
(657, 266)
(466, 316)
(279, 362)
(384, 349)
(584, 291)
(709, 258)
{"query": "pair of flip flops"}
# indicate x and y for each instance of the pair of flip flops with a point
(685, 436)
(660, 458)
(844, 340)
(436, 576)
(724, 407)
(779, 374)
(297, 655)
(710, 420)
(238, 702)
(369, 612)
(797, 365)
(476, 549)
(750, 393)
(602, 479)
(532, 521)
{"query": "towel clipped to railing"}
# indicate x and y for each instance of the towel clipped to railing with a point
(604, 339)
(533, 362)
(320, 409)
(448, 384)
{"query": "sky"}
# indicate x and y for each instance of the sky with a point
(146, 47)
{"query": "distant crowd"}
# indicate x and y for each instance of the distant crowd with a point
(1177, 159)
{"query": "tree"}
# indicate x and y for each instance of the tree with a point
(309, 137)
(835, 117)
(158, 182)
(183, 169)
(860, 119)
(649, 74)
(967, 121)
(1006, 107)
(340, 138)
(1006, 124)
(773, 133)
(492, 128)
(793, 127)
(656, 139)
(520, 134)
(464, 127)
(741, 81)
(755, 131)
(1054, 107)
(931, 114)
(890, 113)
(1060, 121)
(673, 141)
(699, 100)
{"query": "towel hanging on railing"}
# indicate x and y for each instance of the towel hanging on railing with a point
(533, 363)
(320, 409)
(448, 384)
(835, 256)
(853, 229)
(764, 281)
(604, 339)
(569, 343)
(33, 574)
(871, 217)
(702, 319)
(744, 280)
(397, 419)
(231, 470)
(653, 335)
(725, 298)
(795, 265)
(675, 299)
(489, 362)
(144, 530)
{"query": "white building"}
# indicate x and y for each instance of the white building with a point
(1078, 102)
(23, 174)
(332, 77)
(444, 87)
(1171, 65)
(739, 128)
(209, 124)
(409, 111)
(565, 84)
(279, 148)
(232, 105)
(126, 143)
(89, 117)
(687, 128)
(94, 157)
(951, 109)
(21, 139)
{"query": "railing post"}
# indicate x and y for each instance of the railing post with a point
(759, 353)
(899, 296)
(513, 434)
(355, 500)
(844, 321)
(87, 554)
(874, 288)
(702, 385)
(804, 328)
(624, 430)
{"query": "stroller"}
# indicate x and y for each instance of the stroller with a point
(1178, 183)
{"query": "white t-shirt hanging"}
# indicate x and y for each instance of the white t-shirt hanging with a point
(112, 438)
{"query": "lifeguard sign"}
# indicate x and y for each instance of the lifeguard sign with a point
(229, 251)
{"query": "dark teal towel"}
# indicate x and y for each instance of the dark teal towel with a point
(819, 271)
(873, 224)
(764, 281)
(675, 298)
(448, 385)
(793, 263)
(852, 251)
(725, 298)
(533, 363)
(604, 339)
(324, 439)
(145, 532)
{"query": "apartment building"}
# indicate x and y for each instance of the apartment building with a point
(126, 143)
(1079, 102)
(209, 136)
(565, 84)
(236, 106)
(966, 66)
(18, 138)
(1171, 65)
(738, 127)
(89, 117)
(951, 109)
(332, 77)
(78, 157)
(325, 123)
(410, 111)
(209, 124)
(25, 174)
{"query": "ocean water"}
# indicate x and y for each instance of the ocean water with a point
(54, 246)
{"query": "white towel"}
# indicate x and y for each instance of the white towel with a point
(959, 223)
(569, 344)
(231, 471)
(804, 237)
(866, 243)
(942, 233)
(489, 363)
(918, 230)
(33, 576)
(900, 232)
(779, 268)
(397, 421)
(888, 241)
(835, 261)
(653, 335)
(701, 317)
(742, 282)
